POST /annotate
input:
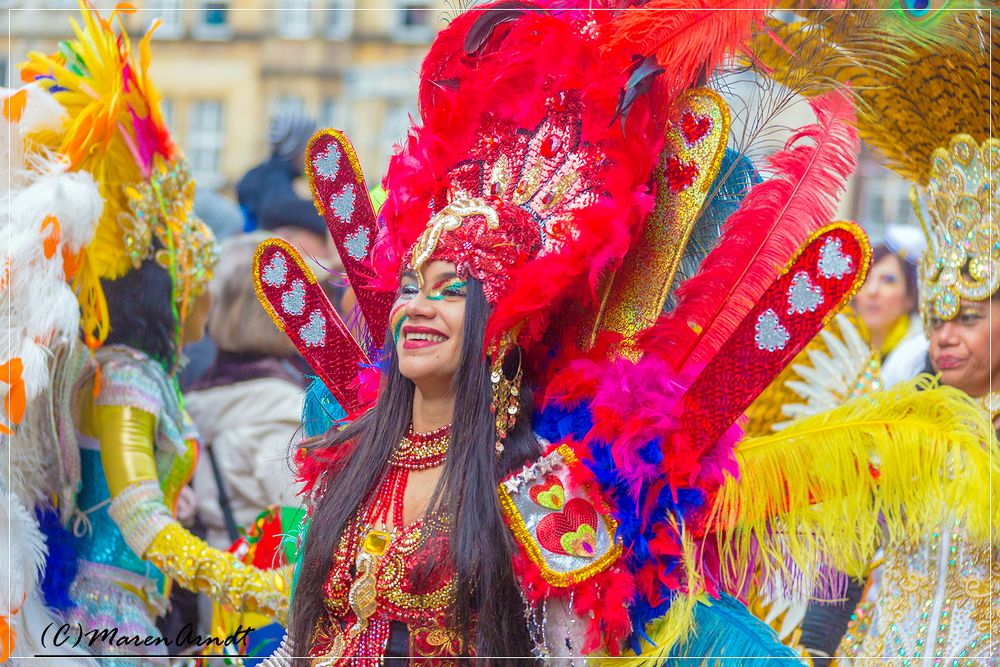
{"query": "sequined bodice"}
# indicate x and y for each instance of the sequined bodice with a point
(130, 378)
(935, 606)
(403, 592)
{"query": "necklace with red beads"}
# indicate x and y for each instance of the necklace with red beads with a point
(417, 451)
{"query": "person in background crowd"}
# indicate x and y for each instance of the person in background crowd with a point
(269, 195)
(247, 405)
(887, 304)
(223, 217)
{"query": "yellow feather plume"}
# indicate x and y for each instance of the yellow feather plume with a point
(822, 491)
(113, 128)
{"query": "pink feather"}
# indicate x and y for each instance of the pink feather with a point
(776, 217)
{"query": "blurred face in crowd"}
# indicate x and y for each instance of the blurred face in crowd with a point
(427, 325)
(883, 298)
(960, 348)
(197, 318)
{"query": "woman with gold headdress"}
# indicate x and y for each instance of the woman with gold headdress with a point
(925, 73)
(113, 420)
(940, 599)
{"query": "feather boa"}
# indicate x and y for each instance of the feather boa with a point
(775, 218)
(623, 420)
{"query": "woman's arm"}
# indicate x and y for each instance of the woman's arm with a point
(126, 436)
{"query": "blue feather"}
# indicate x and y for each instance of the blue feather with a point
(320, 410)
(60, 563)
(726, 629)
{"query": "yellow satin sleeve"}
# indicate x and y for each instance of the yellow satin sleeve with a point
(126, 435)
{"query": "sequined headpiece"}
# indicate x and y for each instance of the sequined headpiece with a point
(962, 225)
(483, 239)
(114, 130)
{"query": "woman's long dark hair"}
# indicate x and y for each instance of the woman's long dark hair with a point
(480, 546)
(141, 313)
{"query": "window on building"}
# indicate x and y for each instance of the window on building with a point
(338, 18)
(203, 141)
(413, 21)
(4, 75)
(883, 198)
(169, 110)
(395, 125)
(287, 103)
(212, 20)
(295, 18)
(170, 14)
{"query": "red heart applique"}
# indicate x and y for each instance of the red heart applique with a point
(577, 523)
(694, 128)
(549, 494)
(680, 174)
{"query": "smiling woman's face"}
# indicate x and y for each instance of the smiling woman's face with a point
(427, 326)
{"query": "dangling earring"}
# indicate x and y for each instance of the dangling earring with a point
(506, 392)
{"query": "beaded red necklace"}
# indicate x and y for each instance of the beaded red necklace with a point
(417, 451)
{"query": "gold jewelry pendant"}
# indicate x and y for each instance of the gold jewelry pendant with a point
(363, 594)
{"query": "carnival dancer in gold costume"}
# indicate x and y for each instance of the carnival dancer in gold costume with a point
(105, 244)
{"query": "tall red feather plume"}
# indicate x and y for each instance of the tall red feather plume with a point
(688, 38)
(776, 217)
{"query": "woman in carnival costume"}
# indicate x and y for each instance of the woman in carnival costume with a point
(938, 596)
(106, 433)
(548, 467)
(939, 599)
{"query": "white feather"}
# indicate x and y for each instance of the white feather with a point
(831, 377)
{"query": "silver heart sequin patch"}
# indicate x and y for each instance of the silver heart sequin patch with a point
(803, 296)
(343, 203)
(275, 271)
(357, 244)
(771, 335)
(293, 301)
(833, 263)
(313, 333)
(327, 163)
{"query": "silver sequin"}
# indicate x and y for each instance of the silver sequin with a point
(275, 271)
(314, 332)
(803, 296)
(770, 334)
(293, 301)
(833, 263)
(327, 163)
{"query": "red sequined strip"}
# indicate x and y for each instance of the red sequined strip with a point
(341, 196)
(290, 294)
(825, 274)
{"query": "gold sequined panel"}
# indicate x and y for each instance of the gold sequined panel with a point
(938, 601)
(911, 99)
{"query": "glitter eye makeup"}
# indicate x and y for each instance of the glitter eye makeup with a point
(453, 286)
